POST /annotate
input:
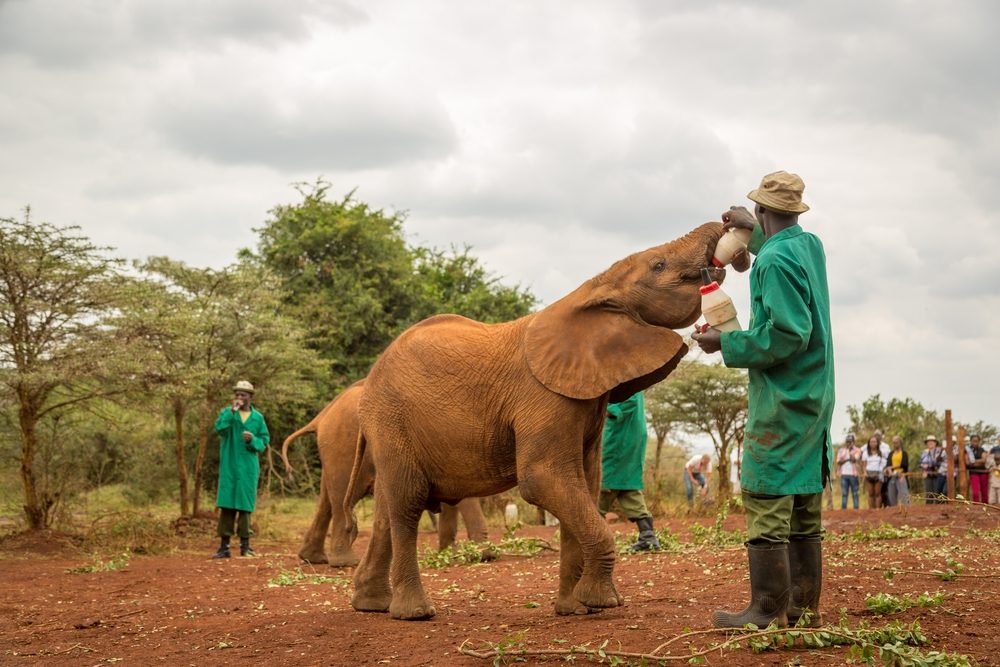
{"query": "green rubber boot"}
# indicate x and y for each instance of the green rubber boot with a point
(805, 563)
(769, 590)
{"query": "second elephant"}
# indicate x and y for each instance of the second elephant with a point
(336, 429)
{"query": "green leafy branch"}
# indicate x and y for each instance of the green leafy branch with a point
(884, 604)
(952, 571)
(471, 553)
(896, 644)
(885, 531)
(290, 578)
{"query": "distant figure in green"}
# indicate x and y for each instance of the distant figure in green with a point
(623, 453)
(242, 436)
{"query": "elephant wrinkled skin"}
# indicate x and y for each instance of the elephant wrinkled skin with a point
(455, 408)
(336, 429)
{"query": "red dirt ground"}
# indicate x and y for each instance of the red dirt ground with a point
(184, 609)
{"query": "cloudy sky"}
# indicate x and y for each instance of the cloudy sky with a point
(554, 137)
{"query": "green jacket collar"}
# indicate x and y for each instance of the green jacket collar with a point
(787, 233)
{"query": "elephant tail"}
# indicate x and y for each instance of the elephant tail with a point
(308, 428)
(359, 455)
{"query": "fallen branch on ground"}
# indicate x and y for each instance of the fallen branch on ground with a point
(894, 643)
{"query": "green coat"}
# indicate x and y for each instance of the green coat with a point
(623, 451)
(239, 468)
(788, 348)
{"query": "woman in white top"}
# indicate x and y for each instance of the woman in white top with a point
(875, 463)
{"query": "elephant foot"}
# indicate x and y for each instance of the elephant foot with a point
(312, 556)
(570, 607)
(378, 602)
(411, 610)
(597, 594)
(343, 560)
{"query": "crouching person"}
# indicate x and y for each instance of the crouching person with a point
(242, 436)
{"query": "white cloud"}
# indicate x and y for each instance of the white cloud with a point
(554, 137)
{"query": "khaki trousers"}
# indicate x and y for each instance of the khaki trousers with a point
(778, 519)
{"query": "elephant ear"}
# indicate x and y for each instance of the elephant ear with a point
(583, 348)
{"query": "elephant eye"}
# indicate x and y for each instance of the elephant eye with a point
(658, 266)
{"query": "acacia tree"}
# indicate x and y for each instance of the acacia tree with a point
(903, 417)
(660, 418)
(203, 329)
(708, 399)
(57, 290)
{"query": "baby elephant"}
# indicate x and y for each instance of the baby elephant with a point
(336, 429)
(456, 408)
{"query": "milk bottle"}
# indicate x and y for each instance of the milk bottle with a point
(716, 305)
(729, 245)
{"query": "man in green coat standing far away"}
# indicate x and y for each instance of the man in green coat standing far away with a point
(242, 436)
(623, 453)
(788, 349)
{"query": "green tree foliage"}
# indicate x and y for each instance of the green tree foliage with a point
(202, 330)
(57, 290)
(706, 399)
(346, 273)
(904, 417)
(455, 282)
(355, 284)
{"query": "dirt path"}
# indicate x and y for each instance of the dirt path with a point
(183, 609)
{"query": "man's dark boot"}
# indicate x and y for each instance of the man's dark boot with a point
(647, 538)
(805, 563)
(769, 589)
(245, 549)
(223, 551)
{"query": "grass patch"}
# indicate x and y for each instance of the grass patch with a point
(885, 531)
(992, 535)
(885, 604)
(98, 564)
(460, 553)
(297, 576)
(716, 535)
(523, 546)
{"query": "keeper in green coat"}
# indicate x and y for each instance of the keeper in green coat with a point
(242, 436)
(787, 456)
(623, 454)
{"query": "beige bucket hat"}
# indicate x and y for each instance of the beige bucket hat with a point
(243, 385)
(931, 437)
(780, 191)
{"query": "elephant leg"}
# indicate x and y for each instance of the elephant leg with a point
(409, 601)
(587, 555)
(312, 544)
(341, 539)
(570, 570)
(447, 526)
(471, 510)
(371, 578)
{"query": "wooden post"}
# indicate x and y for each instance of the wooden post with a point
(949, 452)
(963, 477)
